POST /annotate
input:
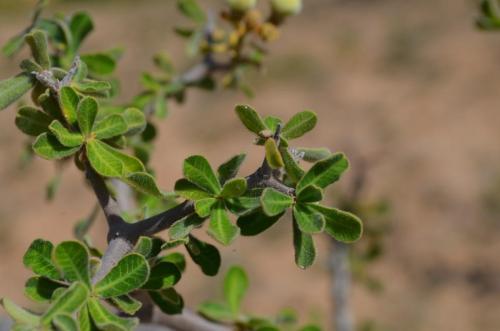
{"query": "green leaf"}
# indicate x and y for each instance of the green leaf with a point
(38, 258)
(203, 207)
(234, 188)
(274, 202)
(144, 246)
(143, 182)
(257, 222)
(86, 113)
(190, 191)
(73, 260)
(93, 87)
(229, 169)
(168, 300)
(177, 259)
(99, 63)
(192, 10)
(299, 124)
(314, 154)
(109, 127)
(250, 118)
(205, 255)
(174, 243)
(135, 119)
(70, 301)
(84, 321)
(19, 314)
(308, 220)
(65, 322)
(69, 104)
(303, 244)
(216, 311)
(110, 162)
(220, 227)
(235, 286)
(32, 121)
(198, 171)
(341, 225)
(183, 228)
(48, 147)
(13, 45)
(160, 106)
(324, 172)
(51, 106)
(293, 170)
(245, 203)
(273, 156)
(29, 66)
(163, 275)
(37, 41)
(106, 320)
(127, 304)
(148, 247)
(80, 26)
(12, 89)
(40, 289)
(130, 273)
(272, 122)
(64, 136)
(310, 193)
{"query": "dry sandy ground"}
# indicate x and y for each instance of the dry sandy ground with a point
(412, 86)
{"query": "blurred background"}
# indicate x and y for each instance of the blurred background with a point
(410, 89)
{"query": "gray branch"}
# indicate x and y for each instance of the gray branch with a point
(341, 274)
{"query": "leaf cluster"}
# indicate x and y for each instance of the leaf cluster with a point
(236, 285)
(64, 281)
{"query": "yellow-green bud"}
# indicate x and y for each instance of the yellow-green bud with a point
(287, 7)
(242, 5)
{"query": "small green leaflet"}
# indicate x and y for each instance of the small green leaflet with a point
(308, 220)
(19, 314)
(31, 121)
(130, 273)
(299, 124)
(324, 172)
(220, 227)
(86, 114)
(14, 88)
(168, 300)
(234, 188)
(273, 156)
(303, 244)
(69, 100)
(38, 258)
(235, 286)
(250, 118)
(105, 320)
(64, 136)
(341, 225)
(48, 147)
(68, 302)
(229, 169)
(73, 260)
(274, 202)
(198, 171)
(205, 255)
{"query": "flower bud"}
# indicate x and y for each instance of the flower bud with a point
(242, 5)
(287, 7)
